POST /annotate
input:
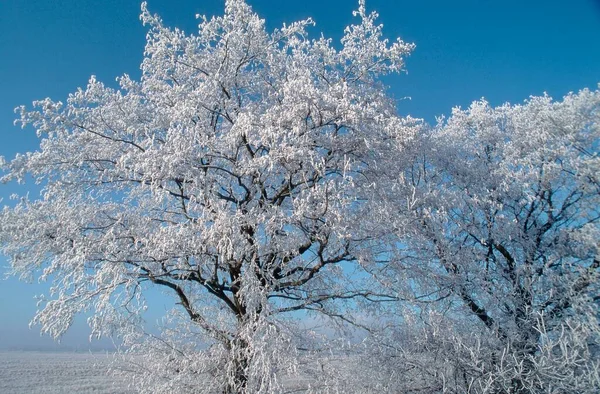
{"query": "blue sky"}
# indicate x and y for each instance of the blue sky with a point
(501, 50)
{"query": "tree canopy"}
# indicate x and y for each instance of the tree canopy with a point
(262, 177)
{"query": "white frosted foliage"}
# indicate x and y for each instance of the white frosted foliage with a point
(238, 175)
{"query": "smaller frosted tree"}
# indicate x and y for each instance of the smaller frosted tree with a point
(503, 232)
(238, 174)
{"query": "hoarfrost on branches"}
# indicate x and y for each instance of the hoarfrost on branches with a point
(500, 246)
(261, 178)
(238, 174)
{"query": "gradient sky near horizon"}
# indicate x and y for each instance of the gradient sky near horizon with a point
(466, 49)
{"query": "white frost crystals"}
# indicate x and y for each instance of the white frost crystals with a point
(266, 183)
(237, 174)
(507, 202)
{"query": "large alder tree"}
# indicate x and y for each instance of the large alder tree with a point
(238, 174)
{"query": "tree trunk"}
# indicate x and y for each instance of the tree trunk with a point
(239, 381)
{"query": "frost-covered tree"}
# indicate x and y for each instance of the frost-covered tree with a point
(501, 246)
(238, 174)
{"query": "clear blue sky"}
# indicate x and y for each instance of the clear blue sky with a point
(466, 49)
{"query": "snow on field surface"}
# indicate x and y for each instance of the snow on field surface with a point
(58, 373)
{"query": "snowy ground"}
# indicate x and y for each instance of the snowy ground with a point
(28, 372)
(58, 373)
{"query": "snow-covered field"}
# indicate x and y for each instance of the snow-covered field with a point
(58, 373)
